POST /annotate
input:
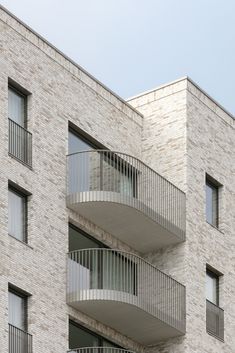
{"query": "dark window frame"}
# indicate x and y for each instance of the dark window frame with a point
(101, 245)
(113, 160)
(99, 337)
(24, 195)
(87, 235)
(96, 145)
(214, 185)
(24, 94)
(215, 275)
(24, 295)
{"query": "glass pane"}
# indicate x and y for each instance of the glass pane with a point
(119, 273)
(79, 337)
(16, 215)
(79, 241)
(118, 176)
(16, 312)
(212, 288)
(16, 107)
(212, 204)
(79, 164)
(76, 144)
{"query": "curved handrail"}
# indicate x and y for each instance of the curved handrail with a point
(114, 275)
(105, 175)
(126, 253)
(99, 350)
(130, 156)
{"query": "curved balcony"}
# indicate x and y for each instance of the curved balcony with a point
(127, 293)
(126, 198)
(99, 350)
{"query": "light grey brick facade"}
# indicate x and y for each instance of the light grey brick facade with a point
(176, 129)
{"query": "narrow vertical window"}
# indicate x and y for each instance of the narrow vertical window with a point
(214, 314)
(17, 314)
(20, 140)
(212, 287)
(212, 202)
(17, 107)
(20, 341)
(17, 214)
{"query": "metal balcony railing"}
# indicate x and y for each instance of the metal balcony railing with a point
(118, 177)
(214, 320)
(99, 350)
(19, 341)
(113, 275)
(20, 143)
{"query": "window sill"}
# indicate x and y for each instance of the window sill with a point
(20, 241)
(219, 230)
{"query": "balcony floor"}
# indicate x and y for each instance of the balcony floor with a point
(124, 217)
(126, 318)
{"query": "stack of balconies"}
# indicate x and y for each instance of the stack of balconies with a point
(131, 201)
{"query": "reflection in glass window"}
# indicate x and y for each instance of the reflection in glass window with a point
(80, 337)
(212, 203)
(212, 287)
(16, 107)
(17, 310)
(16, 214)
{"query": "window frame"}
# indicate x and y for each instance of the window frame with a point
(214, 274)
(214, 185)
(87, 235)
(99, 337)
(24, 295)
(100, 245)
(24, 195)
(22, 93)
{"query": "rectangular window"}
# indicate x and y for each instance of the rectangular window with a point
(20, 341)
(20, 140)
(17, 314)
(212, 202)
(98, 267)
(214, 314)
(99, 171)
(17, 214)
(212, 287)
(80, 337)
(17, 107)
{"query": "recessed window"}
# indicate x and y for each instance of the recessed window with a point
(17, 214)
(17, 310)
(79, 240)
(78, 143)
(100, 267)
(80, 337)
(212, 202)
(17, 107)
(212, 287)
(20, 140)
(214, 314)
(101, 170)
(20, 341)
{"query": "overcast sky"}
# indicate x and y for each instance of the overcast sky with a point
(135, 45)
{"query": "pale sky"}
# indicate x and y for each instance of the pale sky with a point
(135, 45)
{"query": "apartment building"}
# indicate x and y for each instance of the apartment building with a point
(117, 217)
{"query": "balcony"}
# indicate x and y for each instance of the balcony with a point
(20, 143)
(126, 293)
(214, 320)
(99, 350)
(126, 198)
(19, 341)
